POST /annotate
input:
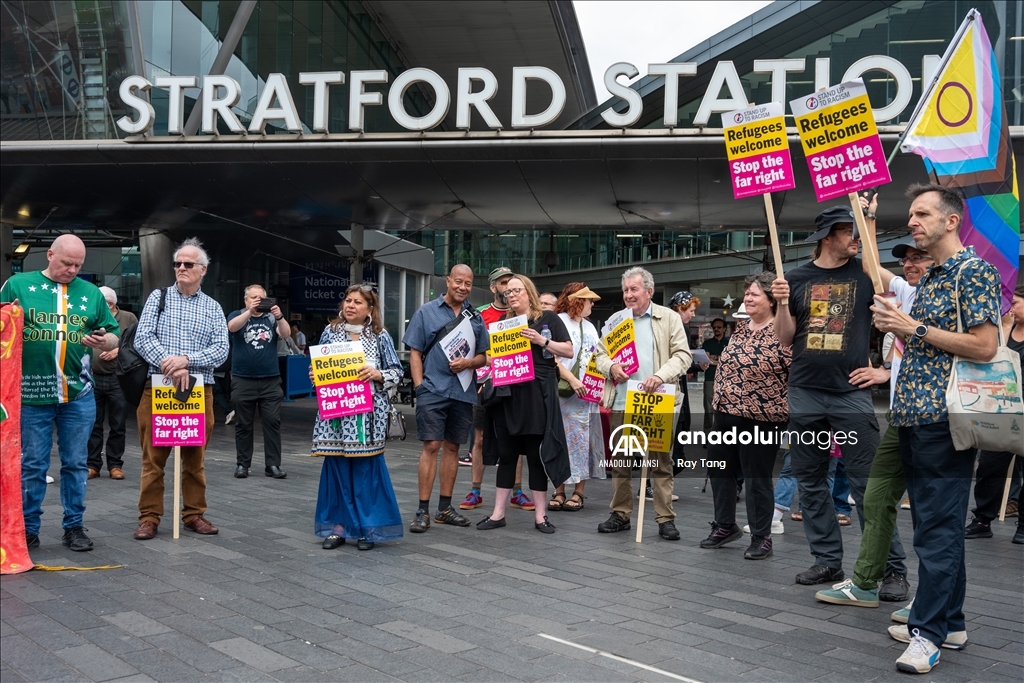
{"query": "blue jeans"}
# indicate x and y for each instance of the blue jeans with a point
(74, 425)
(785, 486)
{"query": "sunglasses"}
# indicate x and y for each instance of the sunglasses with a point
(187, 265)
(916, 258)
(366, 286)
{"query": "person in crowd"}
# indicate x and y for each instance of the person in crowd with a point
(110, 401)
(663, 354)
(190, 336)
(750, 396)
(828, 323)
(685, 304)
(480, 456)
(713, 347)
(873, 578)
(993, 465)
(298, 338)
(444, 406)
(356, 500)
(256, 380)
(548, 301)
(529, 420)
(68, 317)
(938, 476)
(584, 440)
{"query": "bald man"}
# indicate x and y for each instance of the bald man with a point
(65, 316)
(444, 407)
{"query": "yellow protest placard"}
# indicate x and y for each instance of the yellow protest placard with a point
(654, 413)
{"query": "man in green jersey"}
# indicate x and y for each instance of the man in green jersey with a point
(64, 317)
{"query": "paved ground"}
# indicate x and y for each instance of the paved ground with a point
(263, 602)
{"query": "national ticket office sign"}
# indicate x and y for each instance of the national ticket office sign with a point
(653, 412)
(620, 342)
(178, 423)
(511, 357)
(339, 391)
(758, 150)
(840, 140)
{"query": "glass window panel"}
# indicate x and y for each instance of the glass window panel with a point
(391, 299)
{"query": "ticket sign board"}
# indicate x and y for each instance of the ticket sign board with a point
(178, 423)
(758, 150)
(339, 392)
(620, 342)
(837, 130)
(511, 357)
(654, 413)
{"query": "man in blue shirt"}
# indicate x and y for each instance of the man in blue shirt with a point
(444, 408)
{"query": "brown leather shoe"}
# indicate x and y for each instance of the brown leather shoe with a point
(116, 473)
(146, 531)
(201, 525)
(93, 473)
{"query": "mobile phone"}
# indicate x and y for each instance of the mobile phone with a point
(182, 396)
(266, 303)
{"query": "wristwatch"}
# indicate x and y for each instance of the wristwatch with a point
(887, 365)
(921, 330)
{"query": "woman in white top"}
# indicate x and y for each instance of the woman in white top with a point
(585, 447)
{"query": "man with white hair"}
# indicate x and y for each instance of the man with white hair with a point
(188, 336)
(110, 402)
(64, 317)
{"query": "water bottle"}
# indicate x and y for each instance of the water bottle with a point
(546, 333)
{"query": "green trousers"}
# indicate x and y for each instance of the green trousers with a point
(881, 498)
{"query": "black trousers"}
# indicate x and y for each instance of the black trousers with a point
(510, 447)
(250, 394)
(756, 460)
(112, 406)
(988, 487)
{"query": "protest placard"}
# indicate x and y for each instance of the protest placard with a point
(620, 341)
(758, 150)
(174, 422)
(511, 357)
(593, 381)
(653, 413)
(840, 140)
(339, 392)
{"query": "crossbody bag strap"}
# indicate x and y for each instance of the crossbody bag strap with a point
(956, 295)
(468, 312)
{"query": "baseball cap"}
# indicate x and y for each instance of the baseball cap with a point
(900, 250)
(830, 217)
(498, 273)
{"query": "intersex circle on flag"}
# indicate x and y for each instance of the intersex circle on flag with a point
(970, 104)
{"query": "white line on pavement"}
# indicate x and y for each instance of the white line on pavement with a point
(617, 658)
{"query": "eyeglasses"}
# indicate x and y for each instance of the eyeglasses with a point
(514, 292)
(366, 286)
(187, 265)
(916, 258)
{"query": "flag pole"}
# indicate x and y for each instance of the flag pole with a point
(927, 91)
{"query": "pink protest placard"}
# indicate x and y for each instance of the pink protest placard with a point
(593, 382)
(840, 140)
(339, 392)
(177, 423)
(758, 150)
(511, 357)
(620, 342)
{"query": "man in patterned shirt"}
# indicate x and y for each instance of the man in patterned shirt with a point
(938, 476)
(190, 336)
(65, 316)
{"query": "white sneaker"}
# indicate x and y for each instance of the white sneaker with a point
(229, 418)
(674, 497)
(777, 528)
(920, 656)
(955, 640)
(905, 505)
(850, 500)
(49, 479)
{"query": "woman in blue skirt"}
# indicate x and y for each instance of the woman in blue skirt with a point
(356, 499)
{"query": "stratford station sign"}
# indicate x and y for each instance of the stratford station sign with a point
(475, 87)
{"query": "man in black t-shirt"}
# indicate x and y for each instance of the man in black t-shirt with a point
(828, 322)
(256, 380)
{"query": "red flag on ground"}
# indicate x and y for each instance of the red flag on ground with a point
(14, 557)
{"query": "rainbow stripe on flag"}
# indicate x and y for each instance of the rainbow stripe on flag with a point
(960, 130)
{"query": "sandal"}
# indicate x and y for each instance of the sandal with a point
(797, 516)
(557, 502)
(574, 503)
(844, 520)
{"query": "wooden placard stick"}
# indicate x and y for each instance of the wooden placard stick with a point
(867, 238)
(773, 233)
(177, 491)
(640, 508)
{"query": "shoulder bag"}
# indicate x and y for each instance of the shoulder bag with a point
(131, 369)
(984, 398)
(564, 388)
(396, 421)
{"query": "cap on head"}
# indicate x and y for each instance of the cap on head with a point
(109, 294)
(585, 293)
(829, 218)
(498, 273)
(900, 250)
(680, 299)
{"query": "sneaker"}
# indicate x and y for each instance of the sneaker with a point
(521, 500)
(760, 548)
(49, 479)
(472, 502)
(668, 531)
(851, 501)
(955, 640)
(615, 522)
(846, 593)
(466, 460)
(894, 587)
(31, 540)
(76, 539)
(720, 535)
(648, 493)
(450, 516)
(421, 523)
(819, 574)
(1018, 537)
(229, 418)
(920, 657)
(905, 505)
(902, 616)
(777, 528)
(978, 529)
